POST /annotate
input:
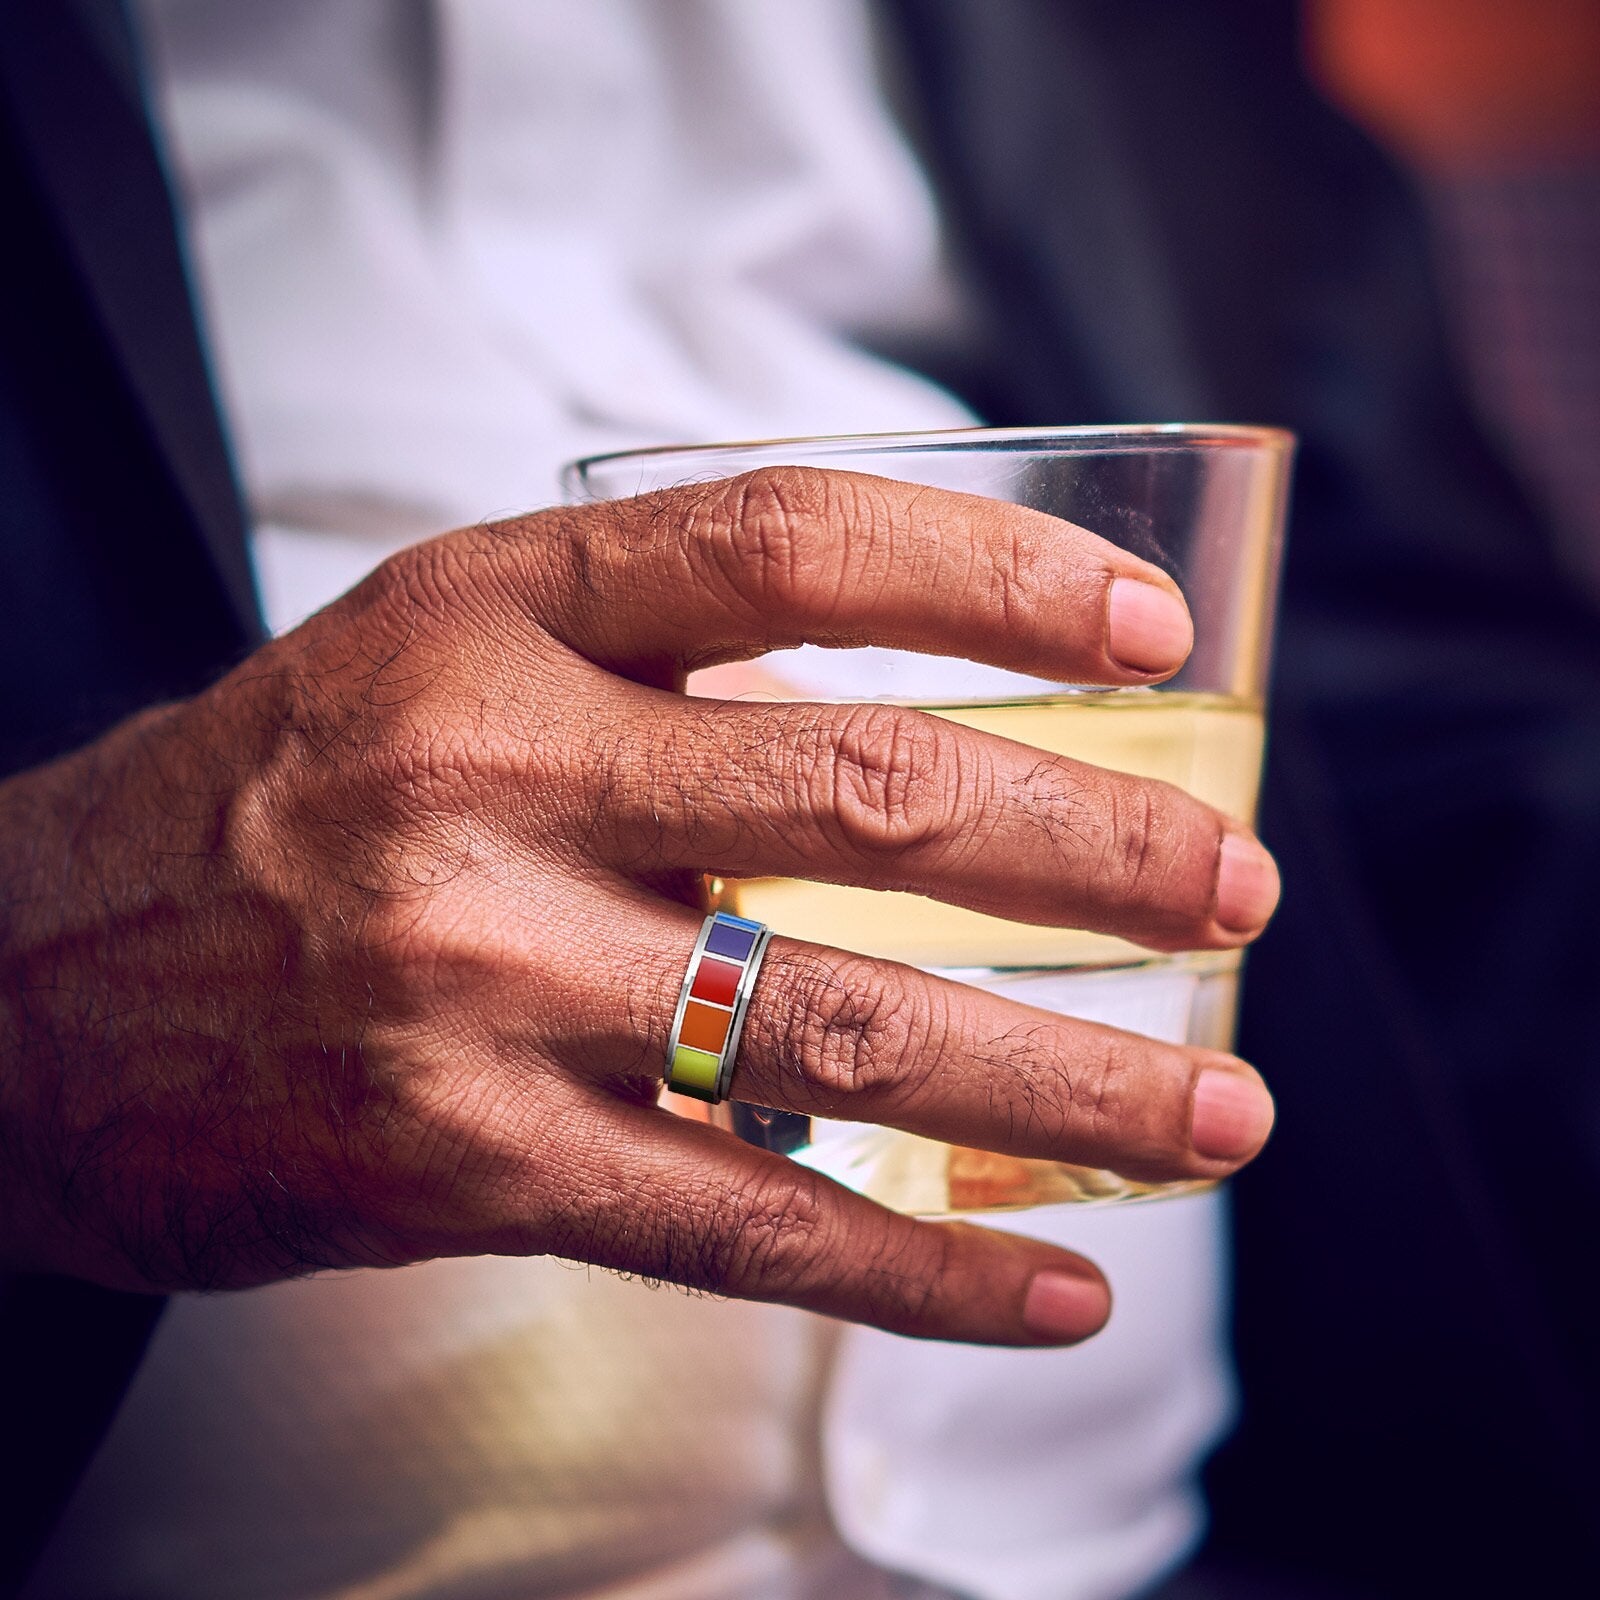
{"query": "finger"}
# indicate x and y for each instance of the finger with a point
(789, 555)
(838, 1035)
(890, 798)
(644, 1191)
(843, 1036)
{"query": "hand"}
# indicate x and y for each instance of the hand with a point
(369, 953)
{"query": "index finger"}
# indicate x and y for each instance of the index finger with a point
(796, 555)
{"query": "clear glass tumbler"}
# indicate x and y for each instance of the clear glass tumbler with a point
(1206, 503)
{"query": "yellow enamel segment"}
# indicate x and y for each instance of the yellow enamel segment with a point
(694, 1069)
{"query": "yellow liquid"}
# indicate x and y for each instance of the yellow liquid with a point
(1211, 746)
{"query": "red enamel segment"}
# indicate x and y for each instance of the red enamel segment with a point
(715, 981)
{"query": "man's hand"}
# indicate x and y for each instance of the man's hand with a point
(369, 954)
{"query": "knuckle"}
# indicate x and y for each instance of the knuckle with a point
(1078, 1093)
(423, 583)
(891, 777)
(768, 504)
(779, 1237)
(762, 524)
(785, 539)
(1019, 593)
(1117, 1106)
(1161, 851)
(1153, 857)
(903, 1283)
(476, 595)
(1136, 837)
(456, 1146)
(768, 1233)
(1078, 1097)
(1098, 1086)
(855, 1030)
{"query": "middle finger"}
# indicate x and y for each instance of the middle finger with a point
(888, 797)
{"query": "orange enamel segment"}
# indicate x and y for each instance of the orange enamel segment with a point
(704, 1027)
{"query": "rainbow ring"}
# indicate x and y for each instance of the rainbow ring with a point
(712, 1005)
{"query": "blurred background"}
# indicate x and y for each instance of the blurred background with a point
(1376, 222)
(1431, 1454)
(1493, 109)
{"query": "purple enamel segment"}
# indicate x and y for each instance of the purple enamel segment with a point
(734, 943)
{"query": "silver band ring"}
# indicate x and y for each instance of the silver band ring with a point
(712, 1004)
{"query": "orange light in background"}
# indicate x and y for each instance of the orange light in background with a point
(1464, 82)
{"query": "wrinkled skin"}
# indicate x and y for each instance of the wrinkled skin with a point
(368, 954)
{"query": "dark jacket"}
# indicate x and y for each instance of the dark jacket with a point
(123, 578)
(1155, 218)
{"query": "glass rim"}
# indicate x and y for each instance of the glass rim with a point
(1091, 439)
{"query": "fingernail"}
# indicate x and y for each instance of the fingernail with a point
(1247, 885)
(1232, 1115)
(1062, 1306)
(1147, 629)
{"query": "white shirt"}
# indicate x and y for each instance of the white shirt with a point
(443, 248)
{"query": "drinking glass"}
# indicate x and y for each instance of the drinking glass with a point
(1206, 504)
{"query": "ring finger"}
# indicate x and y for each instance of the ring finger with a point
(844, 1036)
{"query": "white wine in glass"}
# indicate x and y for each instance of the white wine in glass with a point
(1206, 503)
(1205, 743)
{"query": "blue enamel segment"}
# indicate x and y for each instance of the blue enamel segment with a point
(738, 922)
